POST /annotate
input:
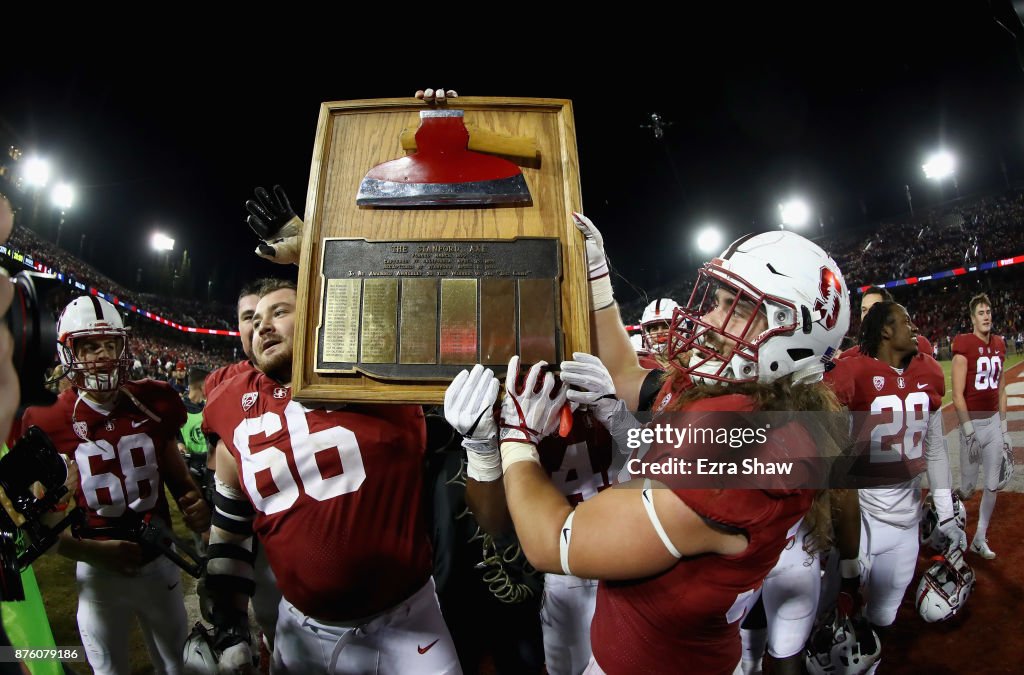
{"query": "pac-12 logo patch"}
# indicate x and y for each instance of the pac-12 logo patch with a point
(249, 399)
(81, 430)
(878, 381)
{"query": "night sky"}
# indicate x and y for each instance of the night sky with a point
(174, 126)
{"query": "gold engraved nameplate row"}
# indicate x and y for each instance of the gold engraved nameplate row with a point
(424, 310)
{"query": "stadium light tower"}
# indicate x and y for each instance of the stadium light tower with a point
(161, 242)
(709, 240)
(63, 197)
(36, 172)
(940, 166)
(794, 213)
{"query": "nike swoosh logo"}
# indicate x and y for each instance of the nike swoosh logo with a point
(136, 425)
(565, 533)
(173, 586)
(922, 386)
(424, 650)
(647, 496)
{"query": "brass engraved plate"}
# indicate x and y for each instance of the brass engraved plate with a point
(416, 310)
(341, 319)
(379, 321)
(537, 320)
(458, 321)
(418, 323)
(497, 321)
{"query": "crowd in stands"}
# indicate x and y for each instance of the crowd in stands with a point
(187, 312)
(959, 235)
(158, 350)
(963, 234)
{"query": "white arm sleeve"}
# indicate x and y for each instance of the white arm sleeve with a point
(940, 479)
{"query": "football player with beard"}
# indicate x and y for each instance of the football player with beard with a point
(979, 396)
(678, 567)
(334, 495)
(894, 397)
(123, 435)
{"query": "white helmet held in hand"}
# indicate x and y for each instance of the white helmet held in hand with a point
(785, 279)
(929, 533)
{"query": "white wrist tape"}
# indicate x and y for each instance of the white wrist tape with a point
(647, 495)
(968, 428)
(1003, 425)
(601, 295)
(849, 568)
(563, 543)
(483, 467)
(517, 451)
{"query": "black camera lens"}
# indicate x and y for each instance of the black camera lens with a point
(35, 334)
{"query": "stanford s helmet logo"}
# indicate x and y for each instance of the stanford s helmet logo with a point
(830, 299)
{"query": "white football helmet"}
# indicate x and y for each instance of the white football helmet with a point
(638, 344)
(199, 655)
(92, 317)
(839, 647)
(945, 587)
(785, 279)
(929, 533)
(202, 654)
(657, 314)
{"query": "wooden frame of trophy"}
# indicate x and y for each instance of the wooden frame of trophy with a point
(437, 238)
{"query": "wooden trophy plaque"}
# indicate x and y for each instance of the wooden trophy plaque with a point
(437, 238)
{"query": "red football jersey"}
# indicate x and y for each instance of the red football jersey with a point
(891, 413)
(649, 362)
(225, 373)
(984, 370)
(672, 388)
(219, 377)
(337, 494)
(116, 451)
(687, 618)
(579, 464)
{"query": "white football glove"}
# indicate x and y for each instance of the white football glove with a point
(969, 443)
(528, 415)
(955, 535)
(468, 407)
(597, 390)
(597, 260)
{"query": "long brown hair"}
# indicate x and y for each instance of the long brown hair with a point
(831, 430)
